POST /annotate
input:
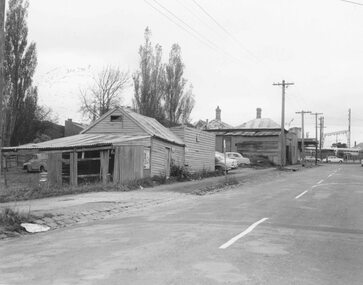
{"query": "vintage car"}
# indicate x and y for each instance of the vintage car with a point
(334, 159)
(239, 157)
(224, 164)
(38, 162)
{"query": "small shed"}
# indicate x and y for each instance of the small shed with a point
(199, 148)
(120, 146)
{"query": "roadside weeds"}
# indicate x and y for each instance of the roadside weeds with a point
(108, 209)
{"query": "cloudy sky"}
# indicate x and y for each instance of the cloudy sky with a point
(232, 59)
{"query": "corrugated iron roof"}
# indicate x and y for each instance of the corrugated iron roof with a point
(216, 125)
(253, 133)
(264, 123)
(81, 140)
(149, 125)
(153, 127)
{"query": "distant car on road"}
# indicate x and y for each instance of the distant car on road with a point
(311, 158)
(361, 162)
(38, 162)
(239, 157)
(334, 159)
(220, 164)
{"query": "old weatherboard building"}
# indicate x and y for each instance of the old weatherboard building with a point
(122, 146)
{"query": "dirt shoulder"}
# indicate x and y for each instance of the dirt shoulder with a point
(62, 211)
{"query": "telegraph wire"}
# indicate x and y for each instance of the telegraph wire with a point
(352, 2)
(176, 23)
(195, 14)
(224, 29)
(196, 34)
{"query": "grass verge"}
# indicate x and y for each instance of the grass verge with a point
(10, 221)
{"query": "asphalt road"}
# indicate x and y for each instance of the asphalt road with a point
(299, 228)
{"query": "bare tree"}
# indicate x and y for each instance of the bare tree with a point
(105, 93)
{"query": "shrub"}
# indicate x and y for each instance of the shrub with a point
(181, 173)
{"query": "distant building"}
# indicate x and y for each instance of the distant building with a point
(257, 139)
(72, 128)
(215, 124)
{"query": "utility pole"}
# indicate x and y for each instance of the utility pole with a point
(349, 123)
(2, 76)
(321, 119)
(316, 136)
(302, 135)
(282, 135)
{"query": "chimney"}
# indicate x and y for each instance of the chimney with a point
(258, 113)
(218, 114)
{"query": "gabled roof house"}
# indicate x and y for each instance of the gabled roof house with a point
(120, 146)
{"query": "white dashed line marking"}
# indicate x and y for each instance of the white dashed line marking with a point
(242, 234)
(330, 175)
(303, 193)
(321, 181)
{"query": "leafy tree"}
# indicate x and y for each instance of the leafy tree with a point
(178, 102)
(149, 80)
(106, 92)
(19, 64)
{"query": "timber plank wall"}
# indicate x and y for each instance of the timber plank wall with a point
(159, 156)
(125, 126)
(199, 149)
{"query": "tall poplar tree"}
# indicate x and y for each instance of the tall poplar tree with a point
(179, 102)
(20, 61)
(149, 80)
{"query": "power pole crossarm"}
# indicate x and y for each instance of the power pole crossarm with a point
(284, 85)
(302, 135)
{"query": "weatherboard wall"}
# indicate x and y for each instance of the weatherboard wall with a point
(124, 126)
(199, 148)
(159, 156)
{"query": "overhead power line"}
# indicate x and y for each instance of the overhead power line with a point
(188, 28)
(352, 2)
(224, 29)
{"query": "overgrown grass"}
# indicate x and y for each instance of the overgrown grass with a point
(25, 186)
(10, 220)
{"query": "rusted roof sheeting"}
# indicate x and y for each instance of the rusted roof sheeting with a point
(76, 141)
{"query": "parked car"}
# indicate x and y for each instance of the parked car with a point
(334, 159)
(361, 162)
(239, 157)
(311, 158)
(220, 164)
(38, 162)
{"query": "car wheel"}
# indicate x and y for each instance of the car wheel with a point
(42, 169)
(28, 169)
(340, 161)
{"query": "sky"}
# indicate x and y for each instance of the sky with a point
(232, 57)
